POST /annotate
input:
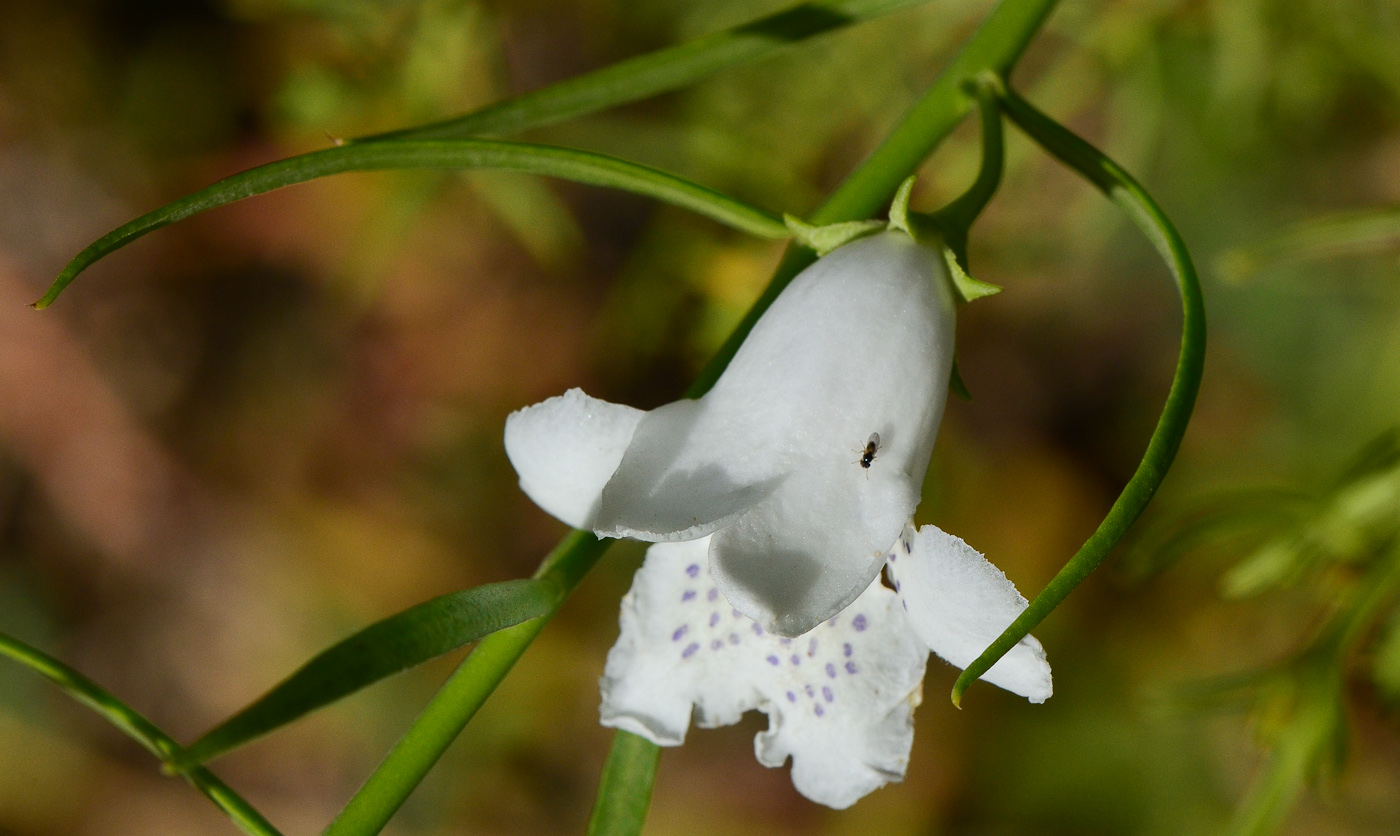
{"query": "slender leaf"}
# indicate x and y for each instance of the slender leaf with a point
(138, 728)
(565, 163)
(1123, 190)
(387, 647)
(647, 75)
(624, 793)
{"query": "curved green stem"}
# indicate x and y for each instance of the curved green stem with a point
(657, 72)
(1123, 190)
(138, 728)
(564, 163)
(955, 220)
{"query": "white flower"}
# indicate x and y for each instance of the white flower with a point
(774, 501)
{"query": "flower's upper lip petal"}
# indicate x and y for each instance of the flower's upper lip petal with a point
(803, 554)
(675, 481)
(566, 449)
(839, 701)
(959, 603)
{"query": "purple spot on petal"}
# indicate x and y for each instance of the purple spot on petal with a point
(680, 631)
(785, 642)
(811, 692)
(908, 547)
(850, 667)
(757, 629)
(846, 648)
(812, 647)
(735, 613)
(860, 623)
(792, 697)
(712, 595)
(830, 670)
(773, 660)
(820, 711)
(716, 644)
(714, 618)
(905, 604)
(688, 596)
(733, 639)
(826, 693)
(689, 650)
(693, 569)
(795, 660)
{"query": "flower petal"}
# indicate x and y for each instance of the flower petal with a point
(804, 554)
(839, 699)
(566, 449)
(959, 603)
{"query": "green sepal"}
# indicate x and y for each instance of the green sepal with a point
(899, 208)
(824, 239)
(968, 288)
(956, 384)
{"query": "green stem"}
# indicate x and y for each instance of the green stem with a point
(658, 72)
(135, 726)
(956, 219)
(565, 163)
(1123, 190)
(459, 699)
(624, 792)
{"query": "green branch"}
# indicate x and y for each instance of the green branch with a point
(564, 163)
(1123, 190)
(138, 728)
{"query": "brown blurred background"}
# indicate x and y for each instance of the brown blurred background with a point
(254, 432)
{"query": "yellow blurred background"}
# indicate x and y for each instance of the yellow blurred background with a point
(252, 433)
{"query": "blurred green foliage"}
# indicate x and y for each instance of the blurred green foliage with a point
(257, 432)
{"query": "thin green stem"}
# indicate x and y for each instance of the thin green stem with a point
(657, 72)
(459, 699)
(564, 163)
(956, 219)
(135, 726)
(1123, 190)
(624, 792)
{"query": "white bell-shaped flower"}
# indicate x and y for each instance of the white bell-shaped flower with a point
(778, 464)
(774, 501)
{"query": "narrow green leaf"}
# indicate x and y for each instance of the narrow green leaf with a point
(564, 163)
(647, 75)
(1123, 190)
(131, 723)
(385, 648)
(624, 793)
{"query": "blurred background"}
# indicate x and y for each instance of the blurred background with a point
(254, 432)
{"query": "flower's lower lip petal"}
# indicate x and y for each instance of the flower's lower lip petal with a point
(807, 551)
(566, 449)
(840, 700)
(678, 479)
(959, 603)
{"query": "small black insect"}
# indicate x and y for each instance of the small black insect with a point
(867, 456)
